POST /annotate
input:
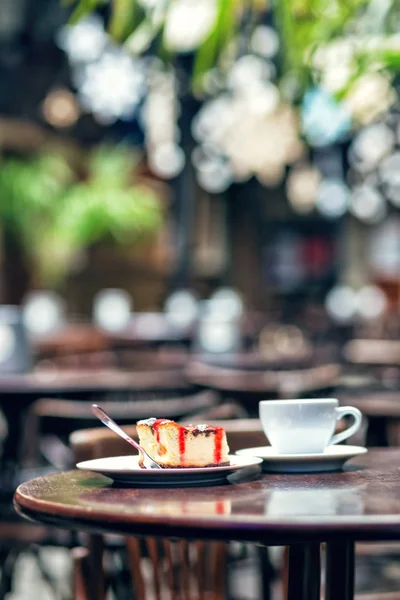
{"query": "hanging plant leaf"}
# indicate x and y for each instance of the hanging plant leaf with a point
(147, 27)
(85, 8)
(56, 216)
(223, 30)
(122, 19)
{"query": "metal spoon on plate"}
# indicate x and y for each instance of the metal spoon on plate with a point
(148, 462)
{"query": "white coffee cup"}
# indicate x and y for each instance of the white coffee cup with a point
(305, 426)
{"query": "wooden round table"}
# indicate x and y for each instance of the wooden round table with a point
(301, 511)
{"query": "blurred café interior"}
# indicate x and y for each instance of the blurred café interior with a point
(199, 210)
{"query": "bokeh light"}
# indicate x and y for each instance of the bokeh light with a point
(187, 23)
(216, 334)
(112, 87)
(368, 204)
(302, 187)
(167, 160)
(265, 41)
(224, 304)
(390, 169)
(112, 309)
(323, 119)
(341, 303)
(8, 342)
(43, 312)
(214, 176)
(332, 198)
(181, 308)
(370, 146)
(372, 302)
(369, 97)
(60, 108)
(85, 41)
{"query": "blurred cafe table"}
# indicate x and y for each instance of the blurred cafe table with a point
(145, 330)
(19, 391)
(150, 329)
(379, 402)
(74, 338)
(380, 357)
(372, 352)
(382, 409)
(301, 511)
(248, 379)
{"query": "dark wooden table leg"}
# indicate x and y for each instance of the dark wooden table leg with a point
(339, 571)
(267, 572)
(304, 576)
(96, 583)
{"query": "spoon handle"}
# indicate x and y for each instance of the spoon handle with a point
(108, 422)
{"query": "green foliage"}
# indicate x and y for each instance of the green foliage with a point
(221, 34)
(302, 24)
(56, 216)
(305, 25)
(141, 24)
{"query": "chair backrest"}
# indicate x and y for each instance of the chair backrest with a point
(142, 359)
(262, 381)
(59, 417)
(177, 570)
(164, 569)
(161, 569)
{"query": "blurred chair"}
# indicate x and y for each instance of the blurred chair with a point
(249, 386)
(49, 424)
(18, 537)
(158, 568)
(153, 358)
(51, 421)
(379, 403)
(165, 569)
(378, 357)
(74, 345)
(372, 352)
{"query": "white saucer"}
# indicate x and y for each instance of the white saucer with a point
(332, 459)
(126, 470)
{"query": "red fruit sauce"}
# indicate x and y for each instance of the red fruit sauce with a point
(156, 426)
(182, 440)
(218, 437)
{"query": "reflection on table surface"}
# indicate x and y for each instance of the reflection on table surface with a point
(367, 491)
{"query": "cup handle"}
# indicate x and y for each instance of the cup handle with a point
(342, 412)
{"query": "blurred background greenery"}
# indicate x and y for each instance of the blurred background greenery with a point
(169, 127)
(55, 209)
(363, 32)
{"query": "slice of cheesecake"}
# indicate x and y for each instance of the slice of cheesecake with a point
(177, 446)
